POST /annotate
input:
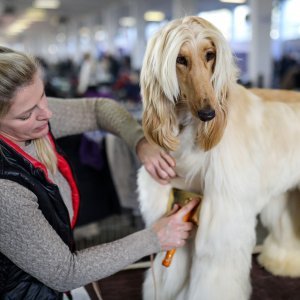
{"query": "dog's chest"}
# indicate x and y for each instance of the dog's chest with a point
(188, 146)
(191, 161)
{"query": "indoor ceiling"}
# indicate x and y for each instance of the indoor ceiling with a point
(70, 10)
(78, 7)
(10, 9)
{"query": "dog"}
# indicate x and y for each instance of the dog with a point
(239, 149)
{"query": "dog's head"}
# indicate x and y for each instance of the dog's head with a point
(187, 65)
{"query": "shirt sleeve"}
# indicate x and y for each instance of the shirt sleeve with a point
(74, 116)
(29, 241)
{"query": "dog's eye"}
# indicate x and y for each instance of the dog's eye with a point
(181, 60)
(210, 56)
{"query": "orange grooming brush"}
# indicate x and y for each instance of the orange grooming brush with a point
(181, 198)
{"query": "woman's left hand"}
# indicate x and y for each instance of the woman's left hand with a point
(159, 164)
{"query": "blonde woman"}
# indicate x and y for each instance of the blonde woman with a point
(39, 198)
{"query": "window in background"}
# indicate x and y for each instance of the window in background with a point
(222, 19)
(152, 27)
(126, 39)
(291, 20)
(241, 24)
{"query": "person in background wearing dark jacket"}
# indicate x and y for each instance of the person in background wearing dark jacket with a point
(39, 198)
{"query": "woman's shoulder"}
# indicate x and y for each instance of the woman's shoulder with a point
(14, 194)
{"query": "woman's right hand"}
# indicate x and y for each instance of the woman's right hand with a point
(172, 231)
(159, 164)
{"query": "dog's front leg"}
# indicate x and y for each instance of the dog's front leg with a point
(153, 197)
(165, 283)
(223, 246)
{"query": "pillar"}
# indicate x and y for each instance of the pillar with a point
(260, 63)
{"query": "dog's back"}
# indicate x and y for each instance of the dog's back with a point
(277, 95)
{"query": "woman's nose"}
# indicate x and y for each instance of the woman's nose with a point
(44, 114)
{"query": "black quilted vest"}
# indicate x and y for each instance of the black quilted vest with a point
(18, 166)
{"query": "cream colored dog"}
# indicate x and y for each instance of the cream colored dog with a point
(236, 147)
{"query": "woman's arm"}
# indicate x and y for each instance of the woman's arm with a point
(74, 116)
(28, 240)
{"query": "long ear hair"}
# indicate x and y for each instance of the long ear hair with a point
(159, 85)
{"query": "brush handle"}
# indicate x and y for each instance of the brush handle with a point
(168, 258)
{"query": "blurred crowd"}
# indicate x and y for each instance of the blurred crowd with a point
(287, 70)
(112, 76)
(105, 76)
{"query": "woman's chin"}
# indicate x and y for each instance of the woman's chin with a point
(41, 131)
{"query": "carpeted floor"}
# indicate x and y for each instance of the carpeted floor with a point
(127, 284)
(269, 287)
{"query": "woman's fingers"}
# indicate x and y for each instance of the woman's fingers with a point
(161, 178)
(157, 162)
(166, 169)
(161, 171)
(174, 209)
(186, 209)
(167, 164)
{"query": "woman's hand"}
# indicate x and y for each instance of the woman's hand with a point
(172, 230)
(157, 162)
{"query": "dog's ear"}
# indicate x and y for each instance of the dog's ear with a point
(225, 70)
(159, 89)
(159, 119)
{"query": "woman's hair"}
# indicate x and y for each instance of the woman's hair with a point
(17, 70)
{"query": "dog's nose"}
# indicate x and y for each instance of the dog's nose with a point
(206, 114)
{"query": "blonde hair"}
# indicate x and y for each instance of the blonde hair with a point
(17, 70)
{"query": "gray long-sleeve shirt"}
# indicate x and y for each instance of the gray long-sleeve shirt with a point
(26, 237)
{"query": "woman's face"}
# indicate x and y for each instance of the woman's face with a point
(28, 116)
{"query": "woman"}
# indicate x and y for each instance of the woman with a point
(39, 197)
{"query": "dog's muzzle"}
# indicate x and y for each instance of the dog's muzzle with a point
(206, 114)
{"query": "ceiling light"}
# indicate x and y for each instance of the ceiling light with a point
(127, 22)
(154, 16)
(34, 15)
(46, 4)
(30, 16)
(233, 1)
(17, 27)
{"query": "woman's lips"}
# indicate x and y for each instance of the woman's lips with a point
(41, 127)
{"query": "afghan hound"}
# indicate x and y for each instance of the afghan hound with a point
(239, 149)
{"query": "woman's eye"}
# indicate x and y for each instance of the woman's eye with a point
(26, 117)
(181, 60)
(210, 56)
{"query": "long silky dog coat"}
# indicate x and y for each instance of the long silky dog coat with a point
(240, 149)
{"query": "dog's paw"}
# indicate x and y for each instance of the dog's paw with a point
(280, 261)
